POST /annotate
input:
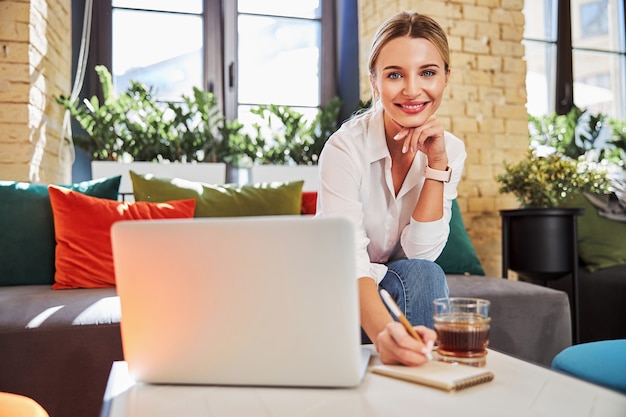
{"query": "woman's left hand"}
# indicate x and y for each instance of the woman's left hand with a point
(427, 138)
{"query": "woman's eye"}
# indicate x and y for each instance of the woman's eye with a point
(428, 73)
(394, 75)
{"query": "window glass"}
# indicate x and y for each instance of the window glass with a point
(540, 22)
(596, 81)
(278, 61)
(169, 60)
(598, 25)
(309, 9)
(540, 77)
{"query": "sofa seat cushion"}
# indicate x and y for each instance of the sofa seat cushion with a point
(528, 321)
(37, 308)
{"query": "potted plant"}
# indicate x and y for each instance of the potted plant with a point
(135, 128)
(567, 157)
(284, 145)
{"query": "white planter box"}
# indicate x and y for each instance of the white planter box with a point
(212, 173)
(269, 173)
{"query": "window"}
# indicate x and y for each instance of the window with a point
(575, 55)
(246, 52)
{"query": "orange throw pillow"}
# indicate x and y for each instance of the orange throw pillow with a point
(82, 227)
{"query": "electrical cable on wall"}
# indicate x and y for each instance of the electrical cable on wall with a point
(81, 67)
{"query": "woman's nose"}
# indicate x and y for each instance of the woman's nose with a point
(412, 86)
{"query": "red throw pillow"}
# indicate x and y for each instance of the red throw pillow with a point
(82, 227)
(309, 202)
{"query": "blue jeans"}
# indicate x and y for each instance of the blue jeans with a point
(414, 284)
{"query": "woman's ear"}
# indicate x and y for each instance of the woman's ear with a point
(447, 76)
(375, 92)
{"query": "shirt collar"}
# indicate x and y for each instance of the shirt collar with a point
(376, 139)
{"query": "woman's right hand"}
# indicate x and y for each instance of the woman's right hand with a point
(396, 346)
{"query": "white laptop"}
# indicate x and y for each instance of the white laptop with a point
(254, 301)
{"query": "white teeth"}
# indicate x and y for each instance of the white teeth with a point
(412, 106)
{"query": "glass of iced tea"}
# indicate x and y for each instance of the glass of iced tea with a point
(462, 326)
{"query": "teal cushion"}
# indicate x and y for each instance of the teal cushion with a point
(459, 255)
(27, 240)
(602, 363)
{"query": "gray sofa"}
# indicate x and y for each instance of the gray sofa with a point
(57, 346)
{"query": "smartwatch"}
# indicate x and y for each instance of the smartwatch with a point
(438, 175)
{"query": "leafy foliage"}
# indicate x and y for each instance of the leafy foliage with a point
(291, 139)
(136, 125)
(549, 181)
(569, 154)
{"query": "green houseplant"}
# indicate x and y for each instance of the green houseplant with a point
(567, 156)
(283, 136)
(136, 126)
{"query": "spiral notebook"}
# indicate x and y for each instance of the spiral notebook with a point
(436, 374)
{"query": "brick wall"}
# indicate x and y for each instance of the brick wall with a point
(35, 66)
(484, 102)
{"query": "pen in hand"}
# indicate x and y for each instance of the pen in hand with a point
(395, 310)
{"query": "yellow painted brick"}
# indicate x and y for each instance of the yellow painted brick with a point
(464, 124)
(488, 3)
(488, 62)
(13, 52)
(507, 48)
(464, 92)
(12, 171)
(490, 29)
(516, 94)
(476, 13)
(515, 65)
(462, 60)
(491, 94)
(511, 32)
(464, 28)
(476, 46)
(500, 15)
(477, 77)
(511, 111)
(18, 72)
(492, 124)
(479, 110)
(14, 113)
(513, 4)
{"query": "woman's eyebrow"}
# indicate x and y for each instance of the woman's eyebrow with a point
(397, 67)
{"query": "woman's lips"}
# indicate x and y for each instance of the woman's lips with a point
(412, 108)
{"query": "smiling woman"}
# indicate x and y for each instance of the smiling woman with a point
(393, 171)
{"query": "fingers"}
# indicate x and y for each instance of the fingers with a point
(416, 138)
(396, 346)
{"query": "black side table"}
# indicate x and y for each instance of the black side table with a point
(541, 244)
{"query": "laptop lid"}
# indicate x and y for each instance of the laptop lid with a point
(268, 301)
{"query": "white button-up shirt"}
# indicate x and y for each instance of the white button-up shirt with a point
(356, 183)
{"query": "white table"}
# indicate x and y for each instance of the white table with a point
(519, 389)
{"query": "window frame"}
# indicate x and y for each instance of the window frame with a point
(219, 51)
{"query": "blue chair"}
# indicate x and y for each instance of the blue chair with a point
(602, 363)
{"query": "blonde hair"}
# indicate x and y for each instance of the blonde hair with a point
(413, 25)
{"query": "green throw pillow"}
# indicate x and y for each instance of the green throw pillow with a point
(601, 242)
(228, 200)
(27, 240)
(459, 255)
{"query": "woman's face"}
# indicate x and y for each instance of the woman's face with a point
(410, 79)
